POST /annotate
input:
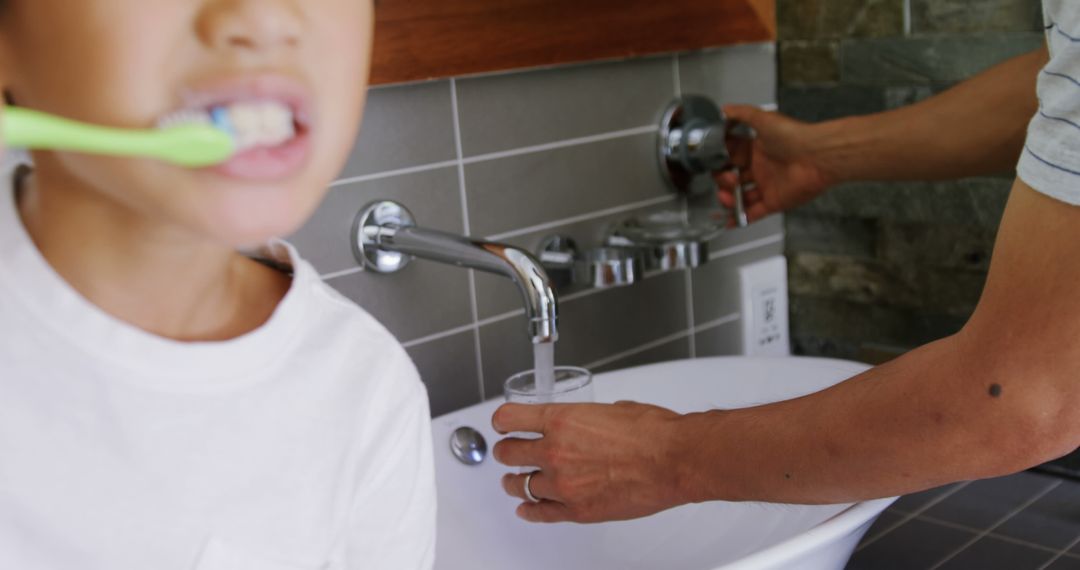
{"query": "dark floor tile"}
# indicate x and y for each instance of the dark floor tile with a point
(1053, 520)
(915, 501)
(1065, 563)
(981, 504)
(884, 523)
(915, 545)
(992, 553)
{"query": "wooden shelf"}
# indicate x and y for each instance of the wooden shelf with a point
(425, 39)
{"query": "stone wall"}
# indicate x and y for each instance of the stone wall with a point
(879, 268)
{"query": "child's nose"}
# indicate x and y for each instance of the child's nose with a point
(251, 24)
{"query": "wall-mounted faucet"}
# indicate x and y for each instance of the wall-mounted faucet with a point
(385, 238)
(597, 268)
(694, 139)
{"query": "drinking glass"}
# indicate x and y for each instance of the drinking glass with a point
(572, 386)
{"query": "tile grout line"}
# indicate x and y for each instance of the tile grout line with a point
(998, 536)
(690, 325)
(611, 135)
(476, 334)
(748, 246)
(439, 335)
(1064, 552)
(511, 314)
(660, 342)
(688, 276)
(474, 311)
(342, 273)
(677, 70)
(607, 360)
(907, 17)
(636, 350)
(733, 317)
(1003, 520)
(556, 145)
(906, 519)
(393, 173)
(582, 217)
(566, 143)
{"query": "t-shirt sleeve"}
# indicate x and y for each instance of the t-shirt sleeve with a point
(393, 517)
(1050, 162)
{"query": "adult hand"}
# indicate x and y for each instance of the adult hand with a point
(778, 164)
(596, 462)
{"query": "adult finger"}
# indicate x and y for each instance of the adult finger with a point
(726, 179)
(515, 452)
(545, 512)
(727, 199)
(540, 486)
(743, 113)
(520, 417)
(757, 211)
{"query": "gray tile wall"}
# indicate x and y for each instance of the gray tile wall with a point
(517, 157)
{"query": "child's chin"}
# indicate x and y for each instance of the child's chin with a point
(253, 219)
(253, 228)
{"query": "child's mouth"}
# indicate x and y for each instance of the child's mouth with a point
(269, 123)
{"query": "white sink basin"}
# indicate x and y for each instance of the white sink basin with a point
(478, 529)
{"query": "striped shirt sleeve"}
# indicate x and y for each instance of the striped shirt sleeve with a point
(1050, 162)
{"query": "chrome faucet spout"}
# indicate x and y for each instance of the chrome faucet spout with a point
(385, 236)
(511, 262)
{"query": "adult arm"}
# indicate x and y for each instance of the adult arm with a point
(975, 128)
(995, 398)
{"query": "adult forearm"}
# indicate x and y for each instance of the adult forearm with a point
(977, 127)
(928, 418)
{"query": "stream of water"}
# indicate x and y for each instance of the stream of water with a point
(544, 369)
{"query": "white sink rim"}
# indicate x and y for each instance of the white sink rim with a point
(834, 530)
(841, 528)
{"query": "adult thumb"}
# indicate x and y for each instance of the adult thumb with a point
(748, 114)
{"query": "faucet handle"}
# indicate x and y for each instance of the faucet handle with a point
(696, 141)
(374, 222)
(599, 268)
(559, 254)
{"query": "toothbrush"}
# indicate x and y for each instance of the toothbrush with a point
(190, 144)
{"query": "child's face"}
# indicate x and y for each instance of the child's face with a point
(130, 63)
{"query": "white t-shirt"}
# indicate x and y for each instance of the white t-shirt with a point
(1051, 159)
(305, 444)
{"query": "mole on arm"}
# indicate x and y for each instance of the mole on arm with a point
(995, 390)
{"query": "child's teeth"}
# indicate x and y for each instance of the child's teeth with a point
(266, 124)
(245, 123)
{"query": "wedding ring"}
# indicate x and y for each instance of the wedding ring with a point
(528, 491)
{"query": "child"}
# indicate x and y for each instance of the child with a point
(165, 402)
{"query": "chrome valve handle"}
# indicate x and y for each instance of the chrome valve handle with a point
(694, 138)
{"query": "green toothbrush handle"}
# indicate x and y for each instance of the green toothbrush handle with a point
(192, 146)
